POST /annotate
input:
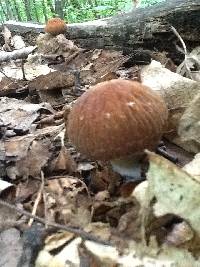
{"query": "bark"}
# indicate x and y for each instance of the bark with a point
(17, 10)
(13, 10)
(51, 7)
(146, 28)
(36, 11)
(149, 28)
(1, 18)
(8, 10)
(17, 54)
(59, 8)
(44, 10)
(3, 11)
(27, 9)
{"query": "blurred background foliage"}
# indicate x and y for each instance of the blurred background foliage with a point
(70, 10)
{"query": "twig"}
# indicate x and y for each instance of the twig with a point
(77, 82)
(76, 231)
(16, 54)
(37, 201)
(166, 155)
(180, 39)
(185, 51)
(23, 70)
(44, 199)
(89, 196)
(6, 75)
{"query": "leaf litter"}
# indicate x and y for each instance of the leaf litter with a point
(148, 223)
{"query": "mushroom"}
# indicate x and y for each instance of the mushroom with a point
(115, 121)
(55, 26)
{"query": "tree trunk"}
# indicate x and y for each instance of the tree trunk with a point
(143, 28)
(51, 7)
(36, 11)
(3, 11)
(44, 10)
(8, 9)
(17, 10)
(59, 8)
(13, 10)
(1, 18)
(27, 9)
(147, 28)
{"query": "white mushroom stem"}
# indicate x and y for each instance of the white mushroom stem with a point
(128, 166)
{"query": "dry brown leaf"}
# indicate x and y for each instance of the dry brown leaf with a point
(51, 81)
(68, 202)
(179, 93)
(111, 211)
(102, 196)
(32, 161)
(25, 190)
(68, 255)
(127, 188)
(105, 179)
(56, 45)
(64, 162)
(7, 39)
(57, 240)
(180, 234)
(129, 225)
(20, 115)
(101, 230)
(9, 86)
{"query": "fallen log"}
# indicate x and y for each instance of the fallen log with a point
(148, 28)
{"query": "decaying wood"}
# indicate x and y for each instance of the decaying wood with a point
(17, 54)
(149, 28)
(142, 27)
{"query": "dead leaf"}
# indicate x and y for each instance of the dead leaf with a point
(105, 179)
(68, 254)
(189, 126)
(4, 185)
(102, 196)
(175, 192)
(26, 190)
(19, 114)
(9, 86)
(180, 234)
(56, 240)
(11, 247)
(68, 202)
(178, 92)
(127, 188)
(193, 167)
(129, 225)
(52, 81)
(7, 39)
(32, 162)
(64, 162)
(100, 230)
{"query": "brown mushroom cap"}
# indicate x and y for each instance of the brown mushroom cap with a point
(115, 119)
(55, 26)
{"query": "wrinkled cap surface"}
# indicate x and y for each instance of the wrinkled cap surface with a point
(55, 26)
(116, 118)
